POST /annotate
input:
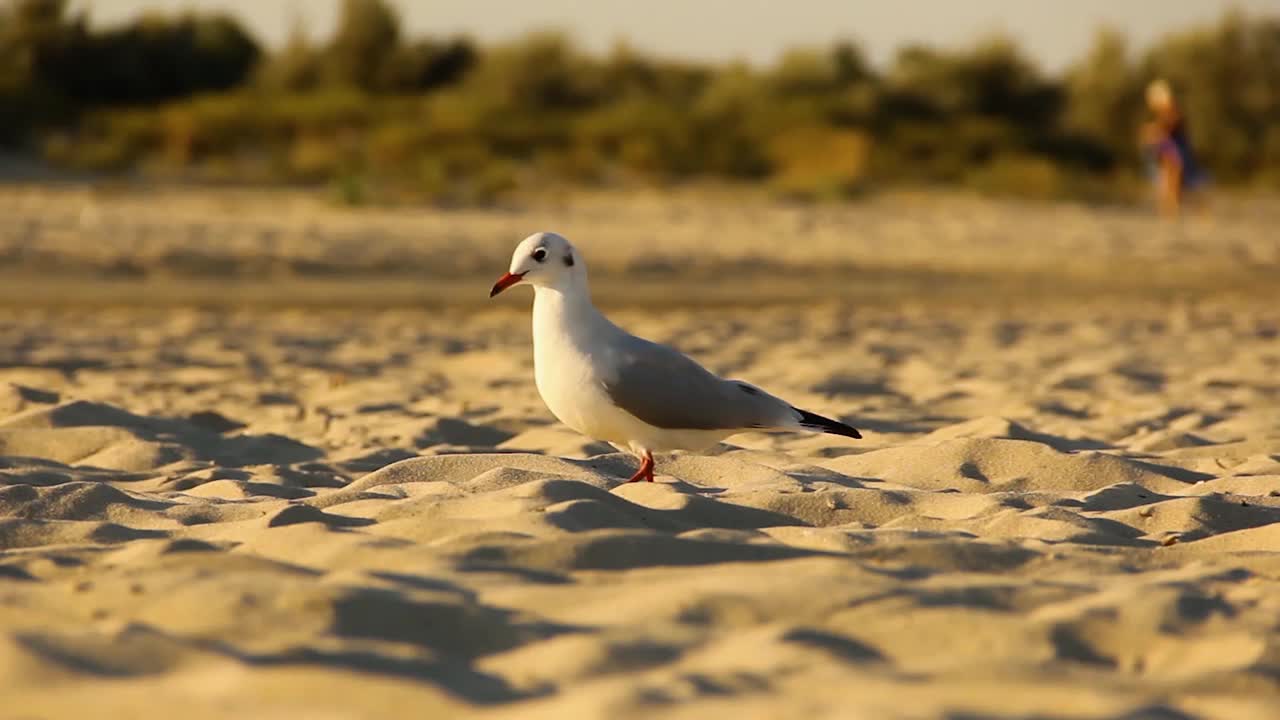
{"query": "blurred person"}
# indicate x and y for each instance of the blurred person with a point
(1167, 147)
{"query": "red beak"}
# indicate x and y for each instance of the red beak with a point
(504, 282)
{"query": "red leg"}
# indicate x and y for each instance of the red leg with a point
(646, 469)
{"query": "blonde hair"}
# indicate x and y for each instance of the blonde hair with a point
(1159, 94)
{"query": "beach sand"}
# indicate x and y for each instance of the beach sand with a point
(1065, 505)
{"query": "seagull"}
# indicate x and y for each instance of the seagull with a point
(637, 395)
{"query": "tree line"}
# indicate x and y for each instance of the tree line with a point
(375, 113)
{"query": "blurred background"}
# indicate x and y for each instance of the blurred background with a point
(473, 102)
(917, 146)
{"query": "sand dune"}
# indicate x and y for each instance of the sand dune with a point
(1068, 512)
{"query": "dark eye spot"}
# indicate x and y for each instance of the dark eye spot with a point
(540, 254)
(568, 260)
(748, 389)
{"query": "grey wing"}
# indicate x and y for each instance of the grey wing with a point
(666, 389)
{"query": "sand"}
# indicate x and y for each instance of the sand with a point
(1062, 508)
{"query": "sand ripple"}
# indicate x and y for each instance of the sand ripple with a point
(1064, 513)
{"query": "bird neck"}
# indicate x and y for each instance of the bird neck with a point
(566, 312)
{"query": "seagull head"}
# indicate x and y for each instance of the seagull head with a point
(543, 259)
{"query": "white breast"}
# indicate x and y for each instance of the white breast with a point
(570, 369)
(568, 377)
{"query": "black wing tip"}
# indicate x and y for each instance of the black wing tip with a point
(827, 425)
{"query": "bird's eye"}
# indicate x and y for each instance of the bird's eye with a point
(540, 254)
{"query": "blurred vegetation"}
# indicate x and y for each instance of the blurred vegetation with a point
(376, 115)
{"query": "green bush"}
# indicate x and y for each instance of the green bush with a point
(819, 163)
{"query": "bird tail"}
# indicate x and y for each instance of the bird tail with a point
(817, 423)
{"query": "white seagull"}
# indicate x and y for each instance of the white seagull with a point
(636, 395)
